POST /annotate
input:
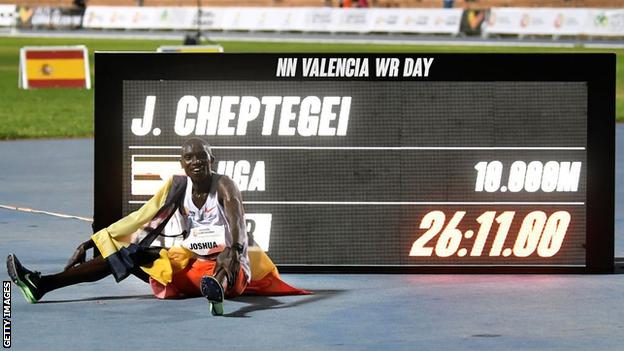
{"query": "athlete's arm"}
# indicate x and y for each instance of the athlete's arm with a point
(232, 201)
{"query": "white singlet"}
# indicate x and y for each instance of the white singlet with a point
(207, 228)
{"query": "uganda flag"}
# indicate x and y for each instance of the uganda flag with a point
(54, 67)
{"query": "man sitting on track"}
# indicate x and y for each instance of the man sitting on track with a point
(210, 256)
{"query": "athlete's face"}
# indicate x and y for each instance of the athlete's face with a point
(196, 161)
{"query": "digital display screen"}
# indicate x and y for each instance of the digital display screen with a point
(354, 167)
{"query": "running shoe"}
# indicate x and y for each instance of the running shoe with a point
(213, 291)
(26, 280)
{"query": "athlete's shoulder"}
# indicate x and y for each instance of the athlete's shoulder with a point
(177, 178)
(173, 187)
(225, 185)
(223, 180)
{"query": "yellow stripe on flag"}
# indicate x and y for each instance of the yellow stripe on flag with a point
(55, 68)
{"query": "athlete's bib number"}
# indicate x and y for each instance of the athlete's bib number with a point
(205, 240)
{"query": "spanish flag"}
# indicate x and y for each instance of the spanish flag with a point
(50, 67)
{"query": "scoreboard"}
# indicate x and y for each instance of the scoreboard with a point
(378, 163)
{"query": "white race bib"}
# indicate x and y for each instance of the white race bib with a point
(206, 240)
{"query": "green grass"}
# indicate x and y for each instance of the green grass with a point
(56, 113)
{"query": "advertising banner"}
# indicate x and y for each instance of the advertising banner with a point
(605, 22)
(133, 17)
(537, 21)
(24, 16)
(351, 21)
(317, 19)
(304, 19)
(260, 18)
(8, 15)
(56, 17)
(473, 20)
(443, 21)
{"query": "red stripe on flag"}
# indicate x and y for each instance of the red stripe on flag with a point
(272, 285)
(65, 54)
(57, 83)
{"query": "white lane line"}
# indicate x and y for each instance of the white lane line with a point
(49, 213)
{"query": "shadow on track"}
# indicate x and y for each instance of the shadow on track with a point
(104, 298)
(259, 303)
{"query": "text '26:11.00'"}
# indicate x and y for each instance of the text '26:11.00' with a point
(538, 232)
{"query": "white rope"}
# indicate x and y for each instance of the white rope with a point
(55, 214)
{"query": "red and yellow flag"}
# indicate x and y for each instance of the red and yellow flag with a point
(55, 68)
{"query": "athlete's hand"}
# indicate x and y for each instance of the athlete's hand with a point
(80, 254)
(228, 262)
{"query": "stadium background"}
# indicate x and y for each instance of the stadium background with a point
(353, 312)
(68, 113)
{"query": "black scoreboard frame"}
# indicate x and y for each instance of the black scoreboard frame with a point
(597, 70)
